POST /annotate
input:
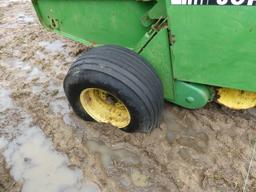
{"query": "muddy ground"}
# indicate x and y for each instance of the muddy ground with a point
(201, 150)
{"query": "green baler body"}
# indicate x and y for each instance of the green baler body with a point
(193, 48)
(215, 45)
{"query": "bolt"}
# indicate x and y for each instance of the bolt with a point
(190, 99)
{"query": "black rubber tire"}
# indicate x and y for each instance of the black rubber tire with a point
(124, 74)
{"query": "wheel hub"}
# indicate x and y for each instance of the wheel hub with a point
(104, 107)
(236, 99)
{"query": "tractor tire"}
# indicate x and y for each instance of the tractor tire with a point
(114, 85)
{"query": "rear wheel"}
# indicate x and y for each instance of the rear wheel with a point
(114, 85)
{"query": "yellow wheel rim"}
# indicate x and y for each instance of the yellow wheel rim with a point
(236, 99)
(104, 107)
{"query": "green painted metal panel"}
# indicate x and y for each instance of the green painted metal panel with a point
(214, 45)
(95, 22)
(158, 54)
(156, 50)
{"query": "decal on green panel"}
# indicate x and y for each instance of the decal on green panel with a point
(215, 2)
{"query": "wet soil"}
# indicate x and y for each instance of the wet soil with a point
(193, 150)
